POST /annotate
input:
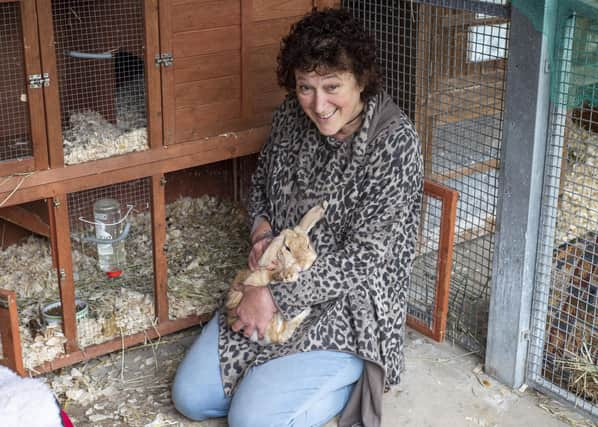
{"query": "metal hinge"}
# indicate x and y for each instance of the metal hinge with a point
(164, 59)
(62, 273)
(37, 81)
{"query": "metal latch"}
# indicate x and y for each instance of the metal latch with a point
(164, 59)
(37, 81)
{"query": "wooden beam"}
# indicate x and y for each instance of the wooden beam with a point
(94, 351)
(47, 183)
(26, 219)
(158, 242)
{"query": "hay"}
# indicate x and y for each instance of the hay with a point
(206, 244)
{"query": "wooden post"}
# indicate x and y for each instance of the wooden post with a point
(158, 241)
(152, 75)
(61, 229)
(12, 356)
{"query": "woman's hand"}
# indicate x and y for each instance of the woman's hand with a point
(257, 250)
(255, 310)
(260, 239)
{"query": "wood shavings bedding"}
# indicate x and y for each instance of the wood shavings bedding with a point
(207, 240)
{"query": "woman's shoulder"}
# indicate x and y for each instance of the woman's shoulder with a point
(389, 126)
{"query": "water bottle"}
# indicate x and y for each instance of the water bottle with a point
(108, 226)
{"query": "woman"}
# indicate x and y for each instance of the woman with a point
(337, 137)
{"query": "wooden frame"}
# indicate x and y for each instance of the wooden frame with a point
(449, 198)
(9, 332)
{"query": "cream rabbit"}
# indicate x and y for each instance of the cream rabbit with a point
(290, 252)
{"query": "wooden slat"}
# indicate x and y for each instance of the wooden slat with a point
(51, 93)
(323, 4)
(152, 74)
(65, 263)
(273, 9)
(267, 102)
(200, 15)
(192, 43)
(200, 151)
(26, 219)
(9, 167)
(203, 120)
(12, 356)
(247, 11)
(167, 73)
(158, 241)
(94, 351)
(263, 58)
(194, 68)
(211, 91)
(270, 32)
(262, 67)
(35, 97)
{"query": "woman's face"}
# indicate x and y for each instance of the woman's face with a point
(331, 100)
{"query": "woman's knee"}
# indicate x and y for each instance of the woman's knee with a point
(198, 403)
(257, 415)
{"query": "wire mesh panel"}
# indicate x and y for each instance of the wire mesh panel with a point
(444, 63)
(207, 238)
(26, 267)
(15, 137)
(111, 234)
(100, 58)
(564, 347)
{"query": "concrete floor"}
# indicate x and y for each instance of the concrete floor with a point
(443, 386)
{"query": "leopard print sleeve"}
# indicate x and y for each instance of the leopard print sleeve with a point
(393, 182)
(258, 203)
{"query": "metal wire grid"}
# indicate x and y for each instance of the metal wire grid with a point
(119, 304)
(100, 57)
(444, 62)
(564, 344)
(15, 138)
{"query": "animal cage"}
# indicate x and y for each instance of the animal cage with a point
(100, 60)
(444, 63)
(564, 345)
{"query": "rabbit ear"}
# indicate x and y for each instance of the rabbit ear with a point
(312, 216)
(272, 250)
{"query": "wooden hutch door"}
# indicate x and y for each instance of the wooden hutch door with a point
(23, 145)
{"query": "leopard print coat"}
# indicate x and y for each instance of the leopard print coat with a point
(365, 244)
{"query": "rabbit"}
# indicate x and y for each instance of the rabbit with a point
(292, 252)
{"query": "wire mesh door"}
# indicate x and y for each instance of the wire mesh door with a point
(100, 58)
(113, 268)
(20, 90)
(444, 63)
(564, 345)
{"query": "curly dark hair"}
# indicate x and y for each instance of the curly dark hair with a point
(328, 40)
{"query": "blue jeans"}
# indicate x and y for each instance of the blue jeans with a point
(303, 389)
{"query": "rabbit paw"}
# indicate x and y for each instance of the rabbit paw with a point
(289, 275)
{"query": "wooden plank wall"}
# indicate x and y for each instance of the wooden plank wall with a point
(225, 62)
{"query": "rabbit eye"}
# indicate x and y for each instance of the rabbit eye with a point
(287, 248)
